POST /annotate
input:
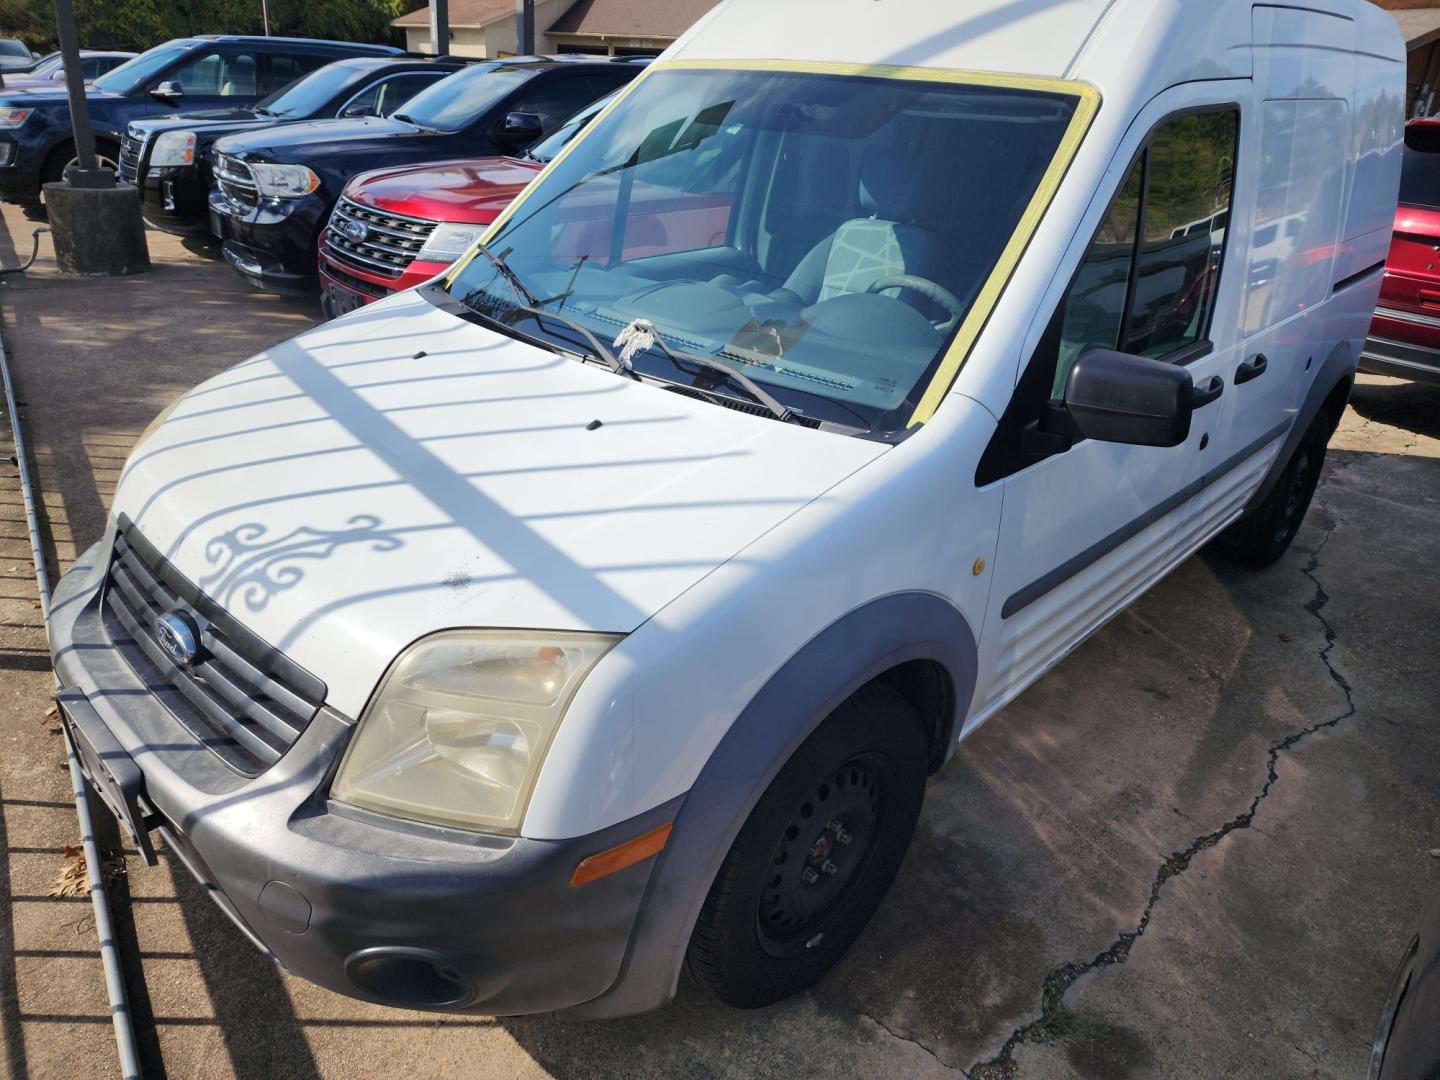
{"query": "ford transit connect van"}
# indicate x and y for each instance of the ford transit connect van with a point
(602, 606)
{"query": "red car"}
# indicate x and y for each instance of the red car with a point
(395, 228)
(1405, 335)
(398, 227)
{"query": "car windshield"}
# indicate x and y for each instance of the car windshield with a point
(458, 100)
(823, 234)
(552, 144)
(47, 65)
(11, 47)
(305, 96)
(131, 74)
(1420, 173)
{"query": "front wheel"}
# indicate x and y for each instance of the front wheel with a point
(817, 854)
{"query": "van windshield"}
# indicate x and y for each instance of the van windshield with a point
(823, 234)
(458, 100)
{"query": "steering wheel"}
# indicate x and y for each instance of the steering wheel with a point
(932, 291)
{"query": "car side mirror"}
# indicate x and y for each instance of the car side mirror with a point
(1116, 397)
(355, 111)
(168, 92)
(520, 129)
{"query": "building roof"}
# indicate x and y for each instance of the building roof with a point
(1419, 26)
(631, 18)
(468, 13)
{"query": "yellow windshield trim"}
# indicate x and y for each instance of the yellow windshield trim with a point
(1086, 105)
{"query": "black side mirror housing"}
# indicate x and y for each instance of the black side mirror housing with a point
(521, 129)
(355, 111)
(168, 92)
(1116, 397)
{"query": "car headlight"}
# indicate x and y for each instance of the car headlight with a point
(174, 148)
(13, 118)
(447, 243)
(460, 725)
(283, 181)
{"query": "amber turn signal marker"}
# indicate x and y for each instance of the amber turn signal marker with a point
(622, 855)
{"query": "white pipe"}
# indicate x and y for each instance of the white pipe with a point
(104, 929)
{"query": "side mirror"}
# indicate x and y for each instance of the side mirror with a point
(520, 129)
(168, 92)
(1120, 398)
(355, 111)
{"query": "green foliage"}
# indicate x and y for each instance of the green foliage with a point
(139, 24)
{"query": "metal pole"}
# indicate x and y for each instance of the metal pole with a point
(525, 26)
(265, 15)
(85, 174)
(104, 929)
(440, 27)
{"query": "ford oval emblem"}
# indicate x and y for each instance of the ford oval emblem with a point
(352, 230)
(178, 636)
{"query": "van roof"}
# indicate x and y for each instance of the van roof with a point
(1099, 41)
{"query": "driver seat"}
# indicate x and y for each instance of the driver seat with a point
(864, 250)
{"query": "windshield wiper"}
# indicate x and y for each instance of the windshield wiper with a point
(526, 302)
(758, 393)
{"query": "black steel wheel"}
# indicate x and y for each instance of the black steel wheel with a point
(1263, 535)
(816, 855)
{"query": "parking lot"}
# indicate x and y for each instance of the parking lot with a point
(1195, 848)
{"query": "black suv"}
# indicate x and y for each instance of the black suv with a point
(275, 188)
(168, 158)
(203, 72)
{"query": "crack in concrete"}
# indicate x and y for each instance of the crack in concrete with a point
(913, 1042)
(1059, 980)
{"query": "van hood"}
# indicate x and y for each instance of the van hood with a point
(401, 471)
(465, 192)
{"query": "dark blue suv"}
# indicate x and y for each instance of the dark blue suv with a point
(205, 72)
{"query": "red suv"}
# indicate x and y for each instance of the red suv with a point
(398, 227)
(1405, 336)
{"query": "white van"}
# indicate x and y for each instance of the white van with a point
(601, 608)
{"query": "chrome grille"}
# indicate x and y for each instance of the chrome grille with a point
(390, 243)
(235, 179)
(132, 153)
(242, 699)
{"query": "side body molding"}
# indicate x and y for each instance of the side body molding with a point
(867, 642)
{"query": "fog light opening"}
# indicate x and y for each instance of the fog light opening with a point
(415, 978)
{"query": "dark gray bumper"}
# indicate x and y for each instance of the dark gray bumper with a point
(1400, 359)
(362, 905)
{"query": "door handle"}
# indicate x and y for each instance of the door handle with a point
(1251, 369)
(1206, 392)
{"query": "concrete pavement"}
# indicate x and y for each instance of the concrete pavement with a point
(1193, 850)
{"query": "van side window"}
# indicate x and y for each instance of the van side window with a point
(1146, 284)
(1156, 300)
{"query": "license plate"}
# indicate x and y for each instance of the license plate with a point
(111, 771)
(342, 300)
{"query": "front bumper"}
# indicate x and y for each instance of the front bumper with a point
(271, 244)
(174, 199)
(366, 906)
(19, 170)
(339, 277)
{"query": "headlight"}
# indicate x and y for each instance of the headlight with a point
(174, 148)
(283, 181)
(460, 725)
(448, 242)
(13, 118)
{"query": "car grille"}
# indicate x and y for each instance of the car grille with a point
(235, 179)
(132, 153)
(241, 698)
(390, 243)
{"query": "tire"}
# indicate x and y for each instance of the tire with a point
(63, 156)
(1263, 535)
(841, 814)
